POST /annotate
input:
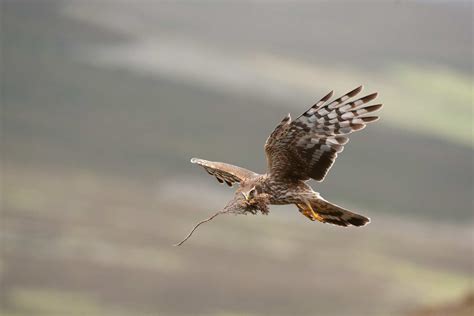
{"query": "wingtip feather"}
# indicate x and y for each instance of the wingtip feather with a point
(357, 127)
(354, 92)
(327, 96)
(373, 108)
(369, 119)
(369, 97)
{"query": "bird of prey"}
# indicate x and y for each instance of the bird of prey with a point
(299, 150)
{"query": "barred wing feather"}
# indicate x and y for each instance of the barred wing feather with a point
(308, 146)
(224, 172)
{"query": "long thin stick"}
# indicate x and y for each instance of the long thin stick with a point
(196, 226)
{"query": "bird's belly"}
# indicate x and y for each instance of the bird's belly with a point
(285, 199)
(290, 194)
(285, 196)
(280, 202)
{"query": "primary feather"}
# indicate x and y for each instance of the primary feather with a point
(308, 146)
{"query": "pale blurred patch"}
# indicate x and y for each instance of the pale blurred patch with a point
(430, 99)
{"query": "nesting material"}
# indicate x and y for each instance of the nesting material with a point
(239, 205)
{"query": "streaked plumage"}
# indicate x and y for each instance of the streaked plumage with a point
(300, 150)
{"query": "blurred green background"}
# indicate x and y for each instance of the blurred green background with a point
(105, 102)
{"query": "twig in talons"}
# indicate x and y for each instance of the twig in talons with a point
(197, 225)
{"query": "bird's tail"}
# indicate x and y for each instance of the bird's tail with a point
(326, 212)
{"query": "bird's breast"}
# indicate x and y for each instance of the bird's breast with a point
(285, 192)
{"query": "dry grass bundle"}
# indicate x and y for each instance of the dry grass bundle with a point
(236, 206)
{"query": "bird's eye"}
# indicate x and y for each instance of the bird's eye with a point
(252, 193)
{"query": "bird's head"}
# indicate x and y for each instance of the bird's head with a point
(250, 190)
(250, 193)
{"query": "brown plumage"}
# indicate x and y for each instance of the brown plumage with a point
(297, 151)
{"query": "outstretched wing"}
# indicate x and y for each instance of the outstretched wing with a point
(308, 146)
(224, 172)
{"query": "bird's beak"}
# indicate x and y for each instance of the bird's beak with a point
(245, 196)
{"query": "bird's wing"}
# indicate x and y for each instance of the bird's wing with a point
(224, 172)
(308, 146)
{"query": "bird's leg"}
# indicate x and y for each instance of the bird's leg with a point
(313, 213)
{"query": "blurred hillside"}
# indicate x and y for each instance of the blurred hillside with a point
(104, 103)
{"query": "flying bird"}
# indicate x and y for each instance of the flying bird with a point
(297, 151)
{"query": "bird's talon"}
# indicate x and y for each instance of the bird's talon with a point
(314, 214)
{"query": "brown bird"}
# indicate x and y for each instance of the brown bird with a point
(300, 150)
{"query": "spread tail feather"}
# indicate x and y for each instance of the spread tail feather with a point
(327, 212)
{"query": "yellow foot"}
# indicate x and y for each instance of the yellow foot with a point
(306, 212)
(313, 213)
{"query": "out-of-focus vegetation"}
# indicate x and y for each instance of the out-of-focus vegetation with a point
(462, 307)
(105, 102)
